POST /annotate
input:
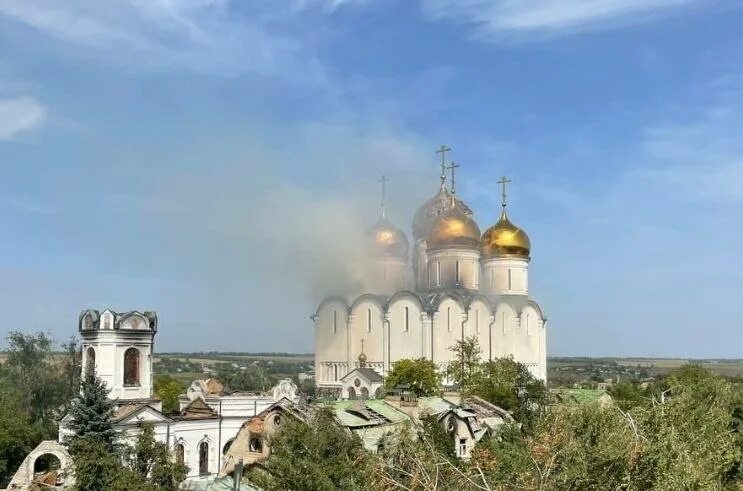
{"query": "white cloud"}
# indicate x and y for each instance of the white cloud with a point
(20, 114)
(210, 36)
(513, 18)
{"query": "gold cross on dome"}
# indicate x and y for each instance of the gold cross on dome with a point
(503, 183)
(452, 167)
(442, 150)
(384, 180)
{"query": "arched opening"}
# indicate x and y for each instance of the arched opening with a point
(90, 359)
(364, 393)
(227, 446)
(256, 445)
(379, 393)
(180, 453)
(131, 367)
(203, 458)
(46, 463)
(351, 393)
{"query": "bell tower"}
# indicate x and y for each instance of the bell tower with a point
(118, 347)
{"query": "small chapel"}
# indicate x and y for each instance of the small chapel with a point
(447, 283)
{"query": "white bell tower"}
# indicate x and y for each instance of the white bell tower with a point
(119, 348)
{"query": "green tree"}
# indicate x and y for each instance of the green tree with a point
(152, 462)
(168, 389)
(466, 368)
(419, 374)
(510, 385)
(97, 468)
(18, 435)
(317, 455)
(91, 412)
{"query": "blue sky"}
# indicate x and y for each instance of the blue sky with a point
(211, 159)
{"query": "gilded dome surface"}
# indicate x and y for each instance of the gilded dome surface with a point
(454, 228)
(387, 240)
(432, 209)
(505, 238)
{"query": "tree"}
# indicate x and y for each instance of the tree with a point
(18, 435)
(419, 374)
(510, 385)
(97, 468)
(92, 410)
(317, 455)
(152, 462)
(465, 368)
(168, 389)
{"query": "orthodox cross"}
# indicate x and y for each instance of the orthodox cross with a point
(503, 183)
(384, 180)
(442, 150)
(452, 167)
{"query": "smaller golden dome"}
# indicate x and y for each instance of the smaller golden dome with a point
(452, 229)
(505, 238)
(362, 360)
(387, 240)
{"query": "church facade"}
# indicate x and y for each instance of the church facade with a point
(451, 283)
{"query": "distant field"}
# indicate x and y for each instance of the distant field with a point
(227, 357)
(653, 366)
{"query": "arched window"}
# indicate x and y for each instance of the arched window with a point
(456, 271)
(256, 444)
(528, 325)
(203, 458)
(180, 453)
(131, 367)
(407, 319)
(438, 273)
(477, 321)
(364, 393)
(368, 320)
(448, 318)
(335, 321)
(90, 359)
(509, 279)
(351, 393)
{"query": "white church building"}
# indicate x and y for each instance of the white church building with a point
(453, 284)
(119, 346)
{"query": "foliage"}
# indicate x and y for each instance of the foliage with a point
(91, 412)
(35, 389)
(152, 462)
(253, 378)
(315, 456)
(168, 389)
(510, 385)
(465, 369)
(627, 394)
(419, 374)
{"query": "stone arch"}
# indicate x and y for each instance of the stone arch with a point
(351, 393)
(364, 393)
(25, 474)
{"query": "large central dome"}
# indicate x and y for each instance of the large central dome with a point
(432, 209)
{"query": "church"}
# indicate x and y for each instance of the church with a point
(448, 283)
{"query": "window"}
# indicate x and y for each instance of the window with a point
(528, 325)
(462, 447)
(407, 319)
(203, 458)
(364, 393)
(456, 271)
(368, 320)
(351, 393)
(335, 372)
(509, 278)
(491, 278)
(90, 355)
(503, 322)
(131, 367)
(335, 321)
(180, 452)
(448, 318)
(438, 273)
(477, 321)
(256, 444)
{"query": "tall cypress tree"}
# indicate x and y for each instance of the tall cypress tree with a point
(92, 410)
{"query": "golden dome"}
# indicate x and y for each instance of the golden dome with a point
(387, 240)
(453, 228)
(432, 209)
(505, 238)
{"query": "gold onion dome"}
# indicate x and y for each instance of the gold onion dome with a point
(434, 208)
(453, 228)
(505, 238)
(387, 240)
